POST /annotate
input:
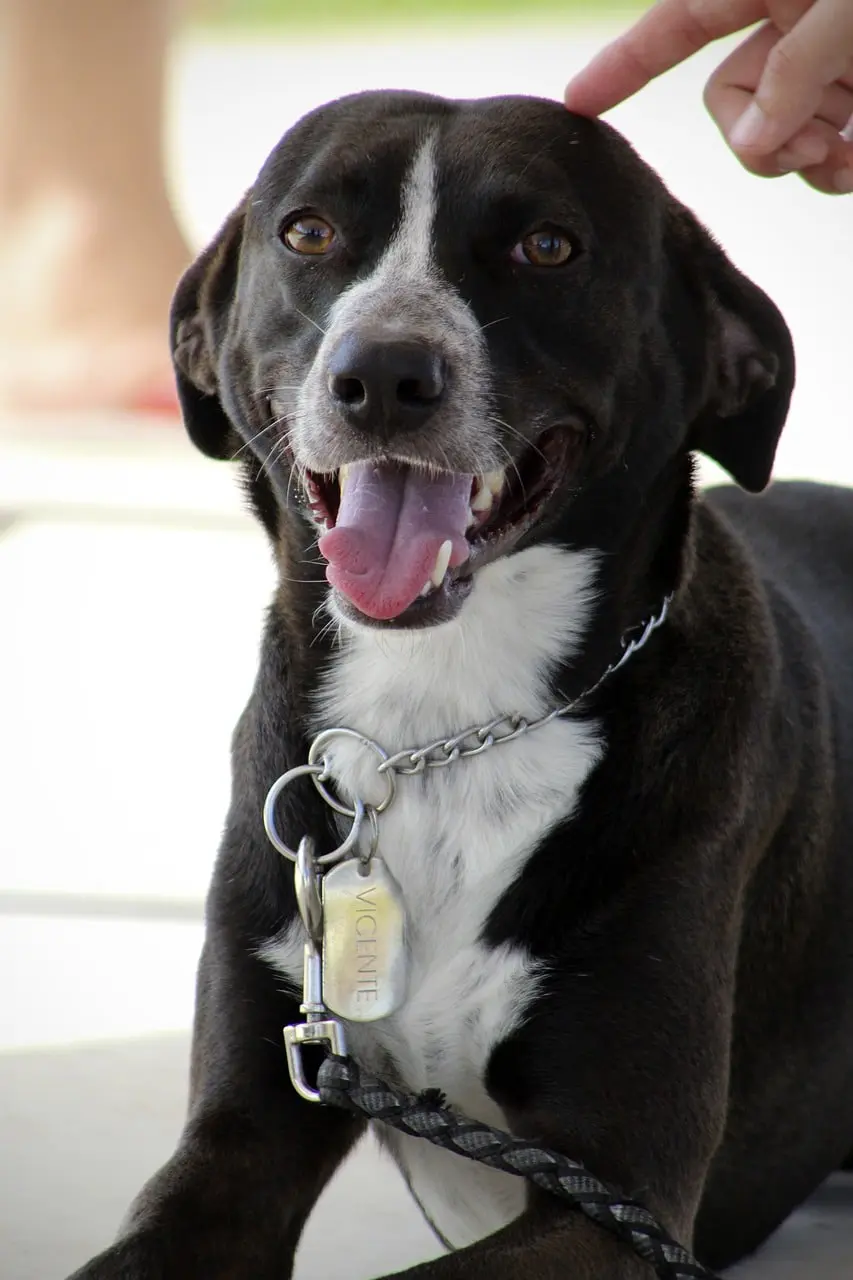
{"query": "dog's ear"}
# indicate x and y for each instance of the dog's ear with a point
(748, 357)
(199, 320)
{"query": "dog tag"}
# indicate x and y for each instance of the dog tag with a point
(364, 955)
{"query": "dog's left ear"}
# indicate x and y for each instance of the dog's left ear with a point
(199, 319)
(749, 360)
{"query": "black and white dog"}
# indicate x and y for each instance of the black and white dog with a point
(473, 346)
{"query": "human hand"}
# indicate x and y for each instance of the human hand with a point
(783, 99)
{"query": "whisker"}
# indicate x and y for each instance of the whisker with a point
(512, 430)
(444, 457)
(484, 327)
(275, 452)
(531, 161)
(483, 465)
(301, 473)
(317, 326)
(278, 386)
(514, 465)
(257, 436)
(331, 625)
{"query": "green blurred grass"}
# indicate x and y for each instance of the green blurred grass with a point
(321, 16)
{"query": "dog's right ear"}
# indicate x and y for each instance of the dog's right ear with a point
(201, 310)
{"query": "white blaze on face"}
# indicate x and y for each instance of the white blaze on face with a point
(411, 250)
(408, 263)
(406, 297)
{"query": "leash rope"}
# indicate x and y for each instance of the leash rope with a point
(342, 1083)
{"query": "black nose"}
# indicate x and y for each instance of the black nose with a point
(385, 387)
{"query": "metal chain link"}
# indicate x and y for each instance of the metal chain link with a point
(437, 755)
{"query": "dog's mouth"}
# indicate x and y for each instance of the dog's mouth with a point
(403, 541)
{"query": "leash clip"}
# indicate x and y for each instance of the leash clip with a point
(318, 1028)
(329, 1031)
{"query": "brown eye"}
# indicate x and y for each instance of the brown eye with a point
(308, 234)
(547, 247)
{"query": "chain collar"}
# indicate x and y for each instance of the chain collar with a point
(507, 728)
(435, 755)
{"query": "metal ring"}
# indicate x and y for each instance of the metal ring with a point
(319, 778)
(271, 829)
(326, 859)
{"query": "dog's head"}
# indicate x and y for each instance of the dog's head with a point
(441, 329)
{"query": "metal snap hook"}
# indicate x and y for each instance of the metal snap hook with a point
(328, 1031)
(306, 883)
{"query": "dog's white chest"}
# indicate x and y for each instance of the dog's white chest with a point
(455, 839)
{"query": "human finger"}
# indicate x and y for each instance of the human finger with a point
(669, 33)
(818, 152)
(817, 148)
(817, 51)
(834, 174)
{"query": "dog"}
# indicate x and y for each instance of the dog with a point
(465, 353)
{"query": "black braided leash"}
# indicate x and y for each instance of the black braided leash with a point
(342, 1083)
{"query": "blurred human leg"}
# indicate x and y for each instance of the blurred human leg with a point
(89, 247)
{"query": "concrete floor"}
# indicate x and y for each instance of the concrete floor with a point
(132, 587)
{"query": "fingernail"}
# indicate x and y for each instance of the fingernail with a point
(751, 129)
(843, 181)
(804, 152)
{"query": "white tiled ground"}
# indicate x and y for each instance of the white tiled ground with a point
(132, 587)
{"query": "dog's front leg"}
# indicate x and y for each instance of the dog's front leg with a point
(253, 1157)
(624, 1064)
(547, 1242)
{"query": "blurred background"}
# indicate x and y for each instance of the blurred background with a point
(132, 582)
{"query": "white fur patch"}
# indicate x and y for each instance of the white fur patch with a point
(410, 252)
(456, 838)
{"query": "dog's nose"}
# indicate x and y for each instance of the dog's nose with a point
(385, 386)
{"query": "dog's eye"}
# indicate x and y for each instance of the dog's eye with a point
(546, 247)
(308, 234)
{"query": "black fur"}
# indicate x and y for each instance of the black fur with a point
(694, 1042)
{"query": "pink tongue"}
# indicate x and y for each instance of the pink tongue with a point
(390, 526)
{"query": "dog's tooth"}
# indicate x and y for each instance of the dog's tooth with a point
(482, 498)
(472, 519)
(442, 560)
(343, 476)
(425, 590)
(494, 481)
